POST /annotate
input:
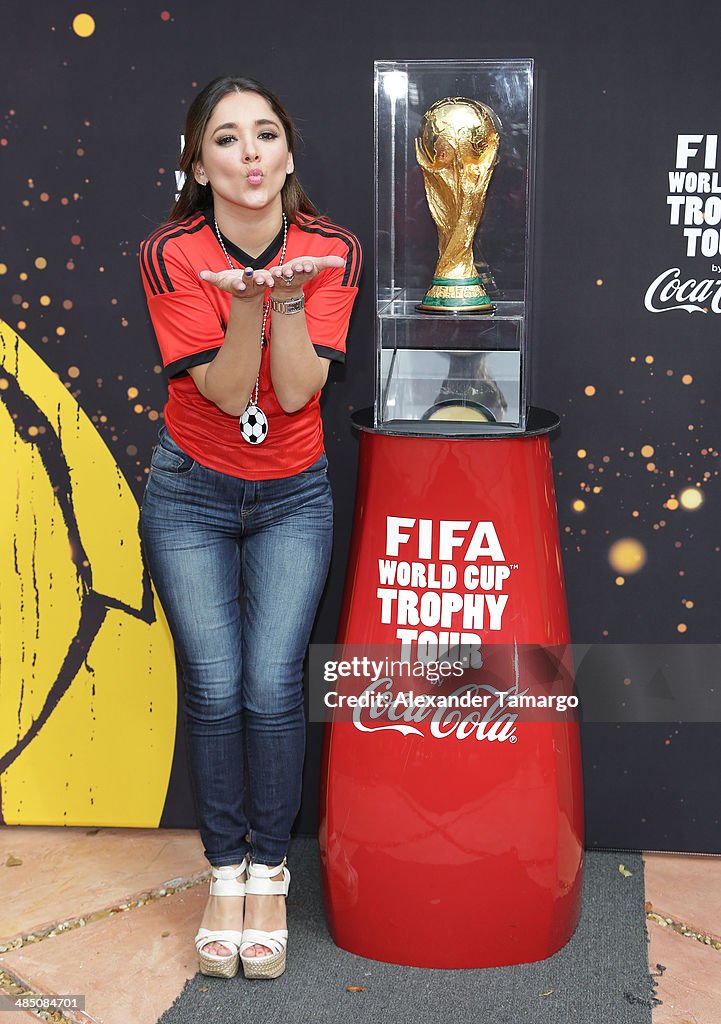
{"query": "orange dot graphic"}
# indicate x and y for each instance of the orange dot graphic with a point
(682, 627)
(599, 281)
(687, 379)
(73, 371)
(691, 498)
(165, 15)
(589, 390)
(75, 239)
(3, 268)
(44, 300)
(41, 263)
(582, 453)
(649, 359)
(578, 505)
(647, 451)
(672, 504)
(627, 556)
(83, 25)
(132, 392)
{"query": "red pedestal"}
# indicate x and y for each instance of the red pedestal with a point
(454, 841)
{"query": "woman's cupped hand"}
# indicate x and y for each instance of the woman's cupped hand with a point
(288, 277)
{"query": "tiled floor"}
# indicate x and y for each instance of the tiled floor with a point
(133, 899)
(130, 901)
(683, 894)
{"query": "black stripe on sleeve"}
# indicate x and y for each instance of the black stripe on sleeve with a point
(353, 266)
(330, 353)
(144, 269)
(179, 367)
(146, 262)
(156, 244)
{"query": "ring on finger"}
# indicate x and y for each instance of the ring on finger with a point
(288, 278)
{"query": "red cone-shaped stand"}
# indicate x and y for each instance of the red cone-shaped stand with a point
(455, 840)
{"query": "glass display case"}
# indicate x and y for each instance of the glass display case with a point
(453, 201)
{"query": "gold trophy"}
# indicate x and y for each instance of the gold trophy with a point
(456, 148)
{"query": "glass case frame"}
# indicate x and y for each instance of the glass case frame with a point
(422, 358)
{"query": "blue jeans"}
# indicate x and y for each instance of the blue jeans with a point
(239, 566)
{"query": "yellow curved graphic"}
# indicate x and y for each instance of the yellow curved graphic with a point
(88, 684)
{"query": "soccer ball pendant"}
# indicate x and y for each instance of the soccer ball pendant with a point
(253, 425)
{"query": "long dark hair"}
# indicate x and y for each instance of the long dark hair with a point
(194, 197)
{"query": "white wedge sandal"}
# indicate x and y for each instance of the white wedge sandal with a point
(272, 964)
(223, 883)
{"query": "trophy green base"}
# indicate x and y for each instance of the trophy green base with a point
(451, 296)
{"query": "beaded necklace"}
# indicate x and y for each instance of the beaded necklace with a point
(253, 422)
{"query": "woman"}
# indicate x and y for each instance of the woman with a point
(250, 293)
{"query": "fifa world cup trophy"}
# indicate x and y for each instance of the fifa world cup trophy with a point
(457, 148)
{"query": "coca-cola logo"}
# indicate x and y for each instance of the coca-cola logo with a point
(668, 291)
(385, 709)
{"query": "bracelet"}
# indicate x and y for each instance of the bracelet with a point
(287, 305)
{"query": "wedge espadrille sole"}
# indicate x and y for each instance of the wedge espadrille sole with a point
(264, 966)
(225, 968)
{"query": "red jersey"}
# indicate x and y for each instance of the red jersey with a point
(190, 317)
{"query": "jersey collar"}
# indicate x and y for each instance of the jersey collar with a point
(244, 258)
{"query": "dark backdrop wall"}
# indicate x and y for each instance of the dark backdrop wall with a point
(89, 143)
